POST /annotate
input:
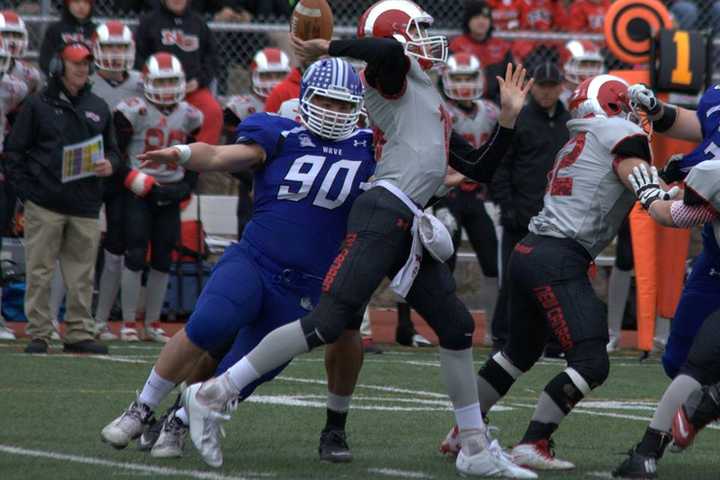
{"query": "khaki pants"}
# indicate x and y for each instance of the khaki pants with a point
(73, 241)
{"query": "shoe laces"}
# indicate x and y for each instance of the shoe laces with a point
(139, 412)
(497, 451)
(335, 436)
(173, 425)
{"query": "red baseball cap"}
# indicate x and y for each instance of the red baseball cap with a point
(76, 52)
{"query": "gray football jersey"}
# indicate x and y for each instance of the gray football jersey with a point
(114, 94)
(476, 126)
(704, 179)
(245, 105)
(585, 199)
(412, 134)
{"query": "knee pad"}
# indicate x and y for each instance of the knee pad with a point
(135, 259)
(567, 389)
(455, 332)
(593, 366)
(500, 373)
(327, 321)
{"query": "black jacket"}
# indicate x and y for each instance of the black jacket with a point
(186, 36)
(48, 121)
(519, 182)
(67, 29)
(199, 6)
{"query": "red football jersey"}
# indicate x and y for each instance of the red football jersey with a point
(489, 52)
(588, 15)
(505, 14)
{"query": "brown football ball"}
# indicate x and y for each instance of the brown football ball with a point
(312, 19)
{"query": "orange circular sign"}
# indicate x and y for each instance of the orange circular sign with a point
(630, 26)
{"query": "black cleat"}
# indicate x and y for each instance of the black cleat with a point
(334, 447)
(86, 346)
(636, 466)
(36, 346)
(149, 436)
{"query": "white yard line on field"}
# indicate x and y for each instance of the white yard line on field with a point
(137, 467)
(392, 472)
(369, 387)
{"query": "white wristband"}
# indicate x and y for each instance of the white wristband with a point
(185, 153)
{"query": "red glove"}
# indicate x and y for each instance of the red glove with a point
(139, 183)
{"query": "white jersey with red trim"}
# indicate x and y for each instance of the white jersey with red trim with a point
(412, 134)
(113, 93)
(291, 109)
(585, 199)
(477, 125)
(245, 105)
(154, 128)
(12, 92)
(28, 74)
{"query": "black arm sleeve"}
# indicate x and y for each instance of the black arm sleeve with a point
(502, 181)
(480, 164)
(387, 64)
(633, 146)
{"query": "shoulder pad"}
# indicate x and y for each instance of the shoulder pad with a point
(611, 131)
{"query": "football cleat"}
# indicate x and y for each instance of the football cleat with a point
(700, 408)
(128, 426)
(129, 335)
(451, 444)
(490, 461)
(539, 456)
(171, 442)
(207, 405)
(637, 466)
(5, 332)
(334, 447)
(613, 344)
(104, 333)
(150, 435)
(155, 334)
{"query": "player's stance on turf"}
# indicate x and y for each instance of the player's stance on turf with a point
(587, 198)
(690, 358)
(386, 226)
(306, 179)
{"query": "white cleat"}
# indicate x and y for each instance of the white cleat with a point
(539, 456)
(156, 335)
(104, 333)
(613, 344)
(490, 461)
(129, 335)
(205, 418)
(5, 332)
(451, 444)
(171, 442)
(128, 426)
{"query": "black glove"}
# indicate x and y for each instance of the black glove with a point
(163, 195)
(672, 171)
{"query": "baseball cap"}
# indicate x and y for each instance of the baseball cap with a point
(547, 72)
(76, 52)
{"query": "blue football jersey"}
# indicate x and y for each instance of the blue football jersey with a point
(304, 191)
(708, 113)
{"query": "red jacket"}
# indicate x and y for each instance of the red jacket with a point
(505, 14)
(587, 16)
(288, 89)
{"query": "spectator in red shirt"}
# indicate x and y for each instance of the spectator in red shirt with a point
(285, 90)
(538, 16)
(494, 53)
(587, 15)
(505, 14)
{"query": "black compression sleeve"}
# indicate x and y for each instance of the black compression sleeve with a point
(664, 123)
(387, 64)
(633, 146)
(480, 164)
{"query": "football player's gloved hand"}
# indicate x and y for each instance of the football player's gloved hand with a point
(139, 183)
(167, 194)
(643, 98)
(672, 171)
(447, 218)
(647, 186)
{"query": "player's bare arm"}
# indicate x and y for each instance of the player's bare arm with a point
(513, 91)
(202, 157)
(676, 122)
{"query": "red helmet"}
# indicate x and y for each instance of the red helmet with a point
(268, 61)
(603, 95)
(113, 47)
(470, 88)
(407, 23)
(584, 60)
(164, 79)
(13, 31)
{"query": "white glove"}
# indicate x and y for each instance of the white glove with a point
(647, 186)
(447, 218)
(643, 98)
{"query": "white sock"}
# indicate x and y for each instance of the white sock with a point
(338, 403)
(155, 390)
(241, 374)
(157, 283)
(130, 293)
(183, 416)
(109, 286)
(469, 417)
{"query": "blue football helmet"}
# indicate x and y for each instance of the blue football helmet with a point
(332, 78)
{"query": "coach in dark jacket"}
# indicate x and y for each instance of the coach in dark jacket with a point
(519, 183)
(61, 218)
(176, 29)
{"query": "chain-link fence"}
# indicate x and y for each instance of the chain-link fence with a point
(238, 42)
